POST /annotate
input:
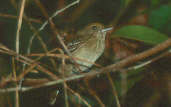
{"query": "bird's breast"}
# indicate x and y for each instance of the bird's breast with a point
(89, 53)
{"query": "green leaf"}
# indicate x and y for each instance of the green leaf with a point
(140, 33)
(160, 18)
(155, 2)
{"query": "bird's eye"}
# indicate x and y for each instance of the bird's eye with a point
(94, 27)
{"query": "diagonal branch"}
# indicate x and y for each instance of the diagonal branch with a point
(112, 68)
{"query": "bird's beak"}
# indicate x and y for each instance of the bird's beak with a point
(107, 29)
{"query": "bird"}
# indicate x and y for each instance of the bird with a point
(89, 45)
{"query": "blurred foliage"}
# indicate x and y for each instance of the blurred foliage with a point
(118, 13)
(160, 19)
(141, 33)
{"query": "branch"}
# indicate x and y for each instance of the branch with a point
(112, 68)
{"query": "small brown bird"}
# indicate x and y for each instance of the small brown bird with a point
(89, 45)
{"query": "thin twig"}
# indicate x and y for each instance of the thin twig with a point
(114, 90)
(55, 31)
(20, 18)
(46, 22)
(64, 56)
(64, 83)
(114, 67)
(17, 104)
(11, 52)
(149, 61)
(93, 93)
(42, 43)
(78, 95)
(134, 58)
(15, 17)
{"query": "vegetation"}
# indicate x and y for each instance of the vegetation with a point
(134, 70)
